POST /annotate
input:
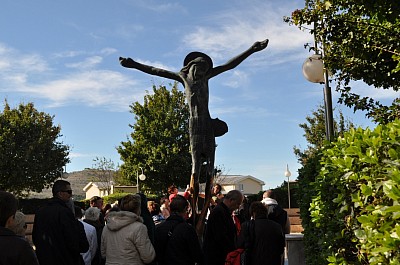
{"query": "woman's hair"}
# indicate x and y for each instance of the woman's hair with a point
(92, 213)
(178, 204)
(258, 210)
(131, 203)
(171, 189)
(8, 206)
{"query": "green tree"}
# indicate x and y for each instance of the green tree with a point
(310, 158)
(315, 132)
(104, 170)
(360, 39)
(159, 141)
(31, 158)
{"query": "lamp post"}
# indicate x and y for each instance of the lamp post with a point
(141, 177)
(315, 72)
(288, 174)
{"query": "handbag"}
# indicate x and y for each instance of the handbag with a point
(241, 256)
(236, 257)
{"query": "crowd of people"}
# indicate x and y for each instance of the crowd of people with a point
(138, 231)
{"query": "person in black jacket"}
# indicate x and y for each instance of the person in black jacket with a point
(176, 241)
(221, 231)
(14, 250)
(263, 238)
(56, 233)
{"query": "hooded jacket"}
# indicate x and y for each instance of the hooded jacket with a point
(125, 240)
(277, 213)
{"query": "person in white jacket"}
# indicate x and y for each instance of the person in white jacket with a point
(275, 212)
(124, 239)
(91, 237)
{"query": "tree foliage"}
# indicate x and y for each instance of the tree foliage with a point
(104, 170)
(310, 158)
(31, 157)
(361, 41)
(315, 132)
(159, 142)
(356, 206)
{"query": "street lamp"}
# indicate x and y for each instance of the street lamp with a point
(288, 174)
(315, 72)
(141, 177)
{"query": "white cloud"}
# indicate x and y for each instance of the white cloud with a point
(89, 62)
(84, 85)
(237, 29)
(363, 89)
(79, 155)
(237, 79)
(92, 88)
(12, 61)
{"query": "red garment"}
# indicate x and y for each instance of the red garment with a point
(236, 221)
(173, 195)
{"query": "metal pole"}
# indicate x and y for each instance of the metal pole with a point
(327, 96)
(288, 190)
(328, 108)
(137, 181)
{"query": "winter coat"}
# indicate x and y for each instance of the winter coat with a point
(268, 242)
(220, 235)
(97, 260)
(15, 250)
(176, 242)
(58, 237)
(125, 240)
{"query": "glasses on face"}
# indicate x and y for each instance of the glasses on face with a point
(67, 191)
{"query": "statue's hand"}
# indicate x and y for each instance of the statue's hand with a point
(260, 45)
(126, 62)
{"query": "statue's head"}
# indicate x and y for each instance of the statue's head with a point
(197, 56)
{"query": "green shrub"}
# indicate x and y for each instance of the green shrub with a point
(355, 199)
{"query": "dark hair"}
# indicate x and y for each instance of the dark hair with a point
(171, 189)
(131, 203)
(163, 200)
(94, 199)
(234, 195)
(219, 187)
(178, 204)
(8, 207)
(78, 212)
(258, 210)
(58, 186)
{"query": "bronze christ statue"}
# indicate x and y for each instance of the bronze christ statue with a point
(197, 70)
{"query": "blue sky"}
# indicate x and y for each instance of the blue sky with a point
(63, 57)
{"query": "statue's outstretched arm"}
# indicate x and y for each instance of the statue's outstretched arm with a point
(129, 63)
(232, 63)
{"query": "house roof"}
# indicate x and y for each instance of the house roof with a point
(100, 185)
(234, 179)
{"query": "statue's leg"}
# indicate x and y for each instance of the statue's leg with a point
(196, 151)
(209, 181)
